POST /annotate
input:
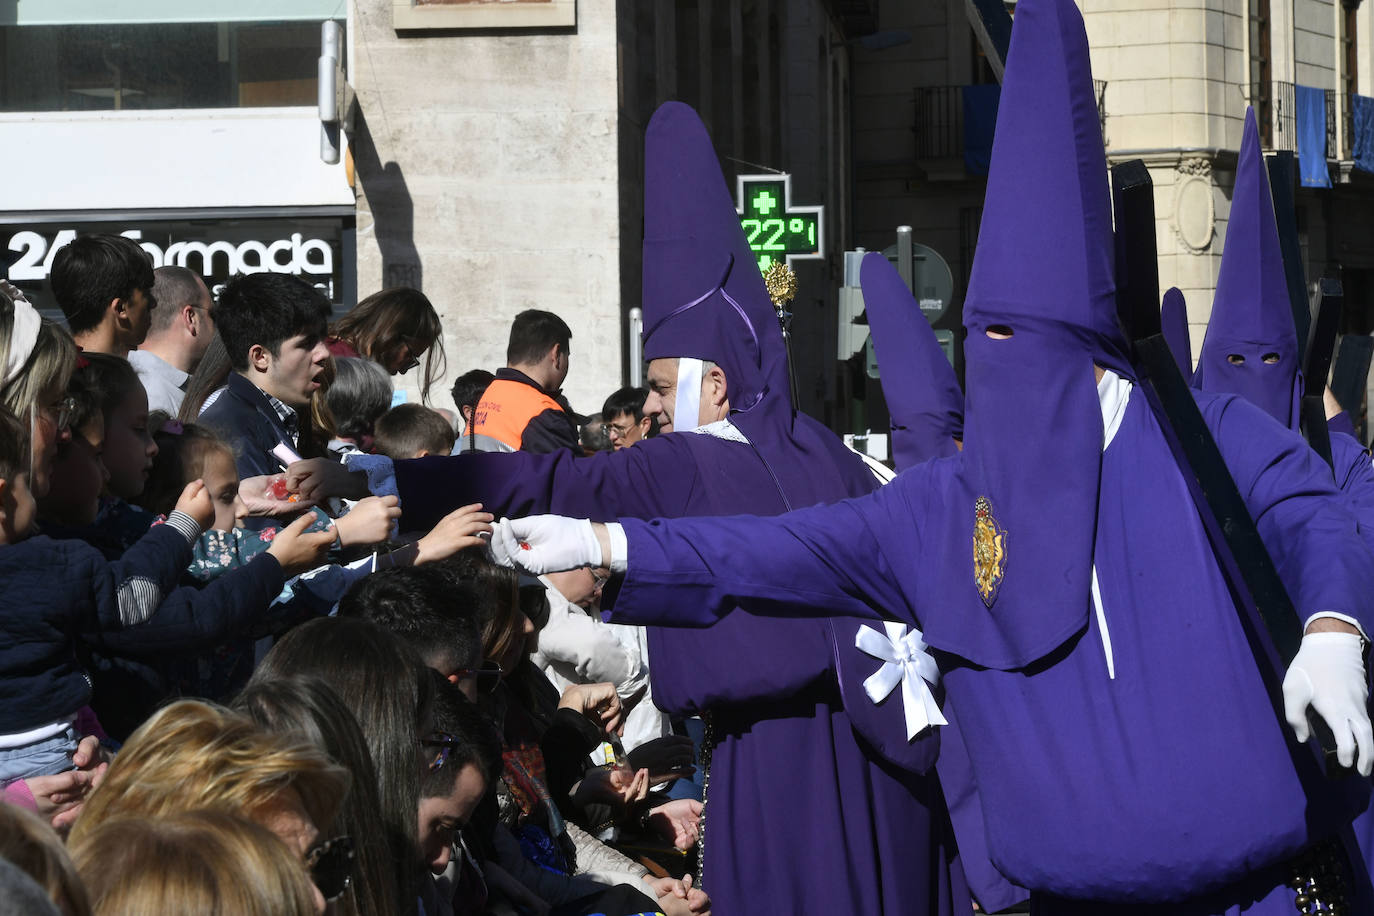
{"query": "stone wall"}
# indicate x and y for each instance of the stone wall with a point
(487, 175)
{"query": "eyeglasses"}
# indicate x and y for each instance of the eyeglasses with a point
(598, 581)
(487, 675)
(417, 348)
(616, 431)
(331, 866)
(60, 414)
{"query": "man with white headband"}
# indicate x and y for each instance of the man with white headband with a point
(801, 816)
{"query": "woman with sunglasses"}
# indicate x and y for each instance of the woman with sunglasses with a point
(397, 328)
(193, 755)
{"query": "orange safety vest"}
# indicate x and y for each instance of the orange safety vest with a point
(506, 408)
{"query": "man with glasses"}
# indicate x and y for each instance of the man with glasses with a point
(180, 334)
(623, 414)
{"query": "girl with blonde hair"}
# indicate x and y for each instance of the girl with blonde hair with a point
(198, 863)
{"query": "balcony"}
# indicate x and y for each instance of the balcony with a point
(940, 129)
(1276, 108)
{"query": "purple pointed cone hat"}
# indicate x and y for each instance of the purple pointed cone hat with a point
(919, 385)
(1251, 347)
(1173, 320)
(1018, 530)
(703, 295)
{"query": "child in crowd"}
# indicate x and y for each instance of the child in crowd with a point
(78, 474)
(412, 431)
(63, 597)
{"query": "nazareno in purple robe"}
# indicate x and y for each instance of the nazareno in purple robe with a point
(804, 814)
(1129, 758)
(1251, 321)
(927, 409)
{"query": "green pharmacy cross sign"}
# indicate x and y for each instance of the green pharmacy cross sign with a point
(775, 229)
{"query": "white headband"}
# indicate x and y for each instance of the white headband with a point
(23, 338)
(687, 404)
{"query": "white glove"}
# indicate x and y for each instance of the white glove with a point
(1328, 675)
(542, 544)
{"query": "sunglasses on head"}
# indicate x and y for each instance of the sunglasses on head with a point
(446, 744)
(331, 866)
(487, 675)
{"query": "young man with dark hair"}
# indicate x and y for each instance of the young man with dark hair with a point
(468, 389)
(412, 431)
(104, 285)
(435, 615)
(623, 414)
(522, 409)
(273, 328)
(178, 337)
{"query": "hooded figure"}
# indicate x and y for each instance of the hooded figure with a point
(804, 810)
(1173, 319)
(1117, 722)
(922, 394)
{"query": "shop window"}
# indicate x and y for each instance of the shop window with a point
(158, 65)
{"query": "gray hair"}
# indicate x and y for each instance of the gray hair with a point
(360, 394)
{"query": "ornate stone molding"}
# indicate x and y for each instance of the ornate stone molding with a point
(1194, 216)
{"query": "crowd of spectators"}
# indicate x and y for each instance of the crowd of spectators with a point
(216, 700)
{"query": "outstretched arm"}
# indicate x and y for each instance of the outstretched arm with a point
(822, 561)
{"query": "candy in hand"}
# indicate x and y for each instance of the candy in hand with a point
(277, 490)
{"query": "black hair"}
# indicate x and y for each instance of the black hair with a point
(307, 705)
(265, 309)
(110, 378)
(386, 686)
(94, 270)
(14, 445)
(469, 387)
(532, 333)
(475, 741)
(626, 400)
(407, 429)
(440, 619)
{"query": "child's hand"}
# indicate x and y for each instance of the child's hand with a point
(195, 501)
(298, 550)
(369, 522)
(455, 531)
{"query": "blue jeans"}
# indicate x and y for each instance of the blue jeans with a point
(42, 758)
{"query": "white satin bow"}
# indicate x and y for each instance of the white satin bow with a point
(905, 661)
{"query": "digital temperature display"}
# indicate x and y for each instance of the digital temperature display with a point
(776, 230)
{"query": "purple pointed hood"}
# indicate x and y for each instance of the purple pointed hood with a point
(703, 294)
(922, 393)
(1252, 320)
(1018, 531)
(1173, 319)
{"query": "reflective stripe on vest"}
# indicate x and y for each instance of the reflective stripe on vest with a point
(506, 408)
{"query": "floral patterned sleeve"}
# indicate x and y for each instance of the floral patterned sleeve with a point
(218, 552)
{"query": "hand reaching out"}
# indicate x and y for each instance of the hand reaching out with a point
(59, 798)
(677, 897)
(665, 758)
(598, 702)
(612, 786)
(542, 544)
(298, 550)
(320, 478)
(456, 531)
(258, 496)
(678, 821)
(369, 522)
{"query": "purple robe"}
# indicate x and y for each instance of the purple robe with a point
(1140, 789)
(1173, 320)
(799, 819)
(802, 815)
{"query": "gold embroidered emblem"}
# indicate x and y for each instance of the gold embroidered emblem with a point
(989, 551)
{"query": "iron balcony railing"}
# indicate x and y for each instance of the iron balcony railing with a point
(1280, 129)
(939, 125)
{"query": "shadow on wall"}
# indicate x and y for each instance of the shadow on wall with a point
(393, 211)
